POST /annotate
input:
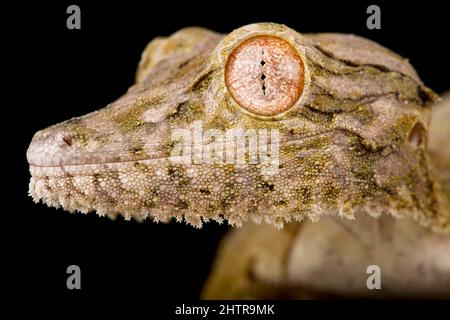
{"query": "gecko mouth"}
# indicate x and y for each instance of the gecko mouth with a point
(161, 189)
(316, 177)
(42, 158)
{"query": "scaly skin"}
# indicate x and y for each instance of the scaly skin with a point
(355, 141)
(330, 258)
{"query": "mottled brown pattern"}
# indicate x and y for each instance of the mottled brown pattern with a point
(329, 259)
(345, 143)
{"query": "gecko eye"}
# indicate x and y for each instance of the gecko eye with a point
(265, 75)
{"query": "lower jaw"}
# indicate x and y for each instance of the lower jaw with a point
(162, 190)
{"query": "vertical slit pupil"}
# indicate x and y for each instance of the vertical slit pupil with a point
(263, 76)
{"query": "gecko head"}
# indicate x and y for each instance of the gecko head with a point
(264, 124)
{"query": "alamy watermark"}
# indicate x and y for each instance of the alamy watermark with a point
(374, 20)
(374, 280)
(231, 146)
(74, 19)
(74, 279)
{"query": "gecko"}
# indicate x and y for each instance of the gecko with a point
(352, 116)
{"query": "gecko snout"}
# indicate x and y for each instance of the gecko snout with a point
(56, 145)
(46, 148)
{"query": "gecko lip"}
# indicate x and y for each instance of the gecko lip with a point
(51, 154)
(163, 190)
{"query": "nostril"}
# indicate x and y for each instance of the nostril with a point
(68, 140)
(417, 135)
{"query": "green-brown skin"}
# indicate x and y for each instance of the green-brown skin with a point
(348, 136)
(355, 141)
(329, 259)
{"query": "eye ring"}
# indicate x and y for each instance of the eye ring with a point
(265, 75)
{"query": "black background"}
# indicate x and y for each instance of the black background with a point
(60, 73)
